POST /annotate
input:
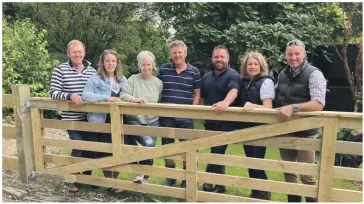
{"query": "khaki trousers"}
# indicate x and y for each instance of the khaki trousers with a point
(303, 156)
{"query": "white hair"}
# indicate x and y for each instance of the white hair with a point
(143, 56)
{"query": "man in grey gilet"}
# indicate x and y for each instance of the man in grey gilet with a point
(300, 87)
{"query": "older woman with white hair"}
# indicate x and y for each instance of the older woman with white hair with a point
(143, 87)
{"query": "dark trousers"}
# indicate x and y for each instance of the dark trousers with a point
(174, 123)
(221, 126)
(84, 136)
(255, 152)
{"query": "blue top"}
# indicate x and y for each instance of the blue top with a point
(215, 87)
(98, 89)
(178, 88)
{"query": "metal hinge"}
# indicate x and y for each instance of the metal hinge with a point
(26, 107)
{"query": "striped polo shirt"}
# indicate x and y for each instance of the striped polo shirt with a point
(178, 88)
(66, 80)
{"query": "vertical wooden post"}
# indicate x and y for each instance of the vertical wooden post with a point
(116, 138)
(37, 139)
(191, 177)
(24, 139)
(328, 149)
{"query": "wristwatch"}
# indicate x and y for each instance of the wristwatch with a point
(295, 108)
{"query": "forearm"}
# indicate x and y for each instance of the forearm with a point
(310, 106)
(231, 96)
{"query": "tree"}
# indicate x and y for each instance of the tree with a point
(264, 27)
(25, 57)
(125, 27)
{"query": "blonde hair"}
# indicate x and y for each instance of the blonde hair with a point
(118, 71)
(75, 42)
(178, 43)
(262, 62)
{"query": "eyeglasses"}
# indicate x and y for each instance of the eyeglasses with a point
(110, 51)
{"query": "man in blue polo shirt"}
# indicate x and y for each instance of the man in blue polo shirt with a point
(219, 89)
(181, 85)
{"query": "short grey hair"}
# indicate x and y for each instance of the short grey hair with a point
(178, 43)
(143, 56)
(296, 42)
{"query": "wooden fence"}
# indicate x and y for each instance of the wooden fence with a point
(31, 155)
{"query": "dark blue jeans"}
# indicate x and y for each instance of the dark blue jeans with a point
(220, 126)
(174, 123)
(146, 141)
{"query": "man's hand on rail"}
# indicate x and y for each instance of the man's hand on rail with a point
(76, 99)
(285, 112)
(114, 99)
(220, 106)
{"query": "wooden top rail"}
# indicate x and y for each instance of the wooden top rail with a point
(346, 119)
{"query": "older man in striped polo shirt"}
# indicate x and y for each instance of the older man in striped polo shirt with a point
(181, 85)
(67, 83)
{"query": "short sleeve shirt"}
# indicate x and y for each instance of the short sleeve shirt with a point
(215, 87)
(179, 88)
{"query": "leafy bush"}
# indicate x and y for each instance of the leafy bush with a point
(25, 58)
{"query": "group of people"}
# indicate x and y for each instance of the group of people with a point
(300, 87)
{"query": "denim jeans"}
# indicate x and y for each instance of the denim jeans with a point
(174, 123)
(146, 141)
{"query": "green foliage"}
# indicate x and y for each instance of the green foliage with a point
(25, 57)
(243, 27)
(126, 27)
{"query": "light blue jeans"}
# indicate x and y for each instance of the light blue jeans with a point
(146, 141)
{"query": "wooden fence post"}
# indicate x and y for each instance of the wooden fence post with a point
(191, 176)
(328, 149)
(37, 139)
(24, 138)
(116, 138)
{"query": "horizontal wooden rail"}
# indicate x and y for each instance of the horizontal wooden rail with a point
(346, 195)
(131, 186)
(8, 101)
(343, 147)
(346, 120)
(215, 197)
(10, 162)
(278, 166)
(9, 131)
(258, 184)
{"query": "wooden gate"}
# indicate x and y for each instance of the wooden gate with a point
(269, 135)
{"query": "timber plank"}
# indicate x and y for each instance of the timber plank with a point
(176, 148)
(327, 160)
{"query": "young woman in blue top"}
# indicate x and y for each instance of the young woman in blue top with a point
(106, 85)
(256, 91)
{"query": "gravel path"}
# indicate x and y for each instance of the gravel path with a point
(47, 190)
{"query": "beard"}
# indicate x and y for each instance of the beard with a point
(219, 65)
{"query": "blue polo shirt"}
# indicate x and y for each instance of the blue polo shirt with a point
(178, 88)
(214, 88)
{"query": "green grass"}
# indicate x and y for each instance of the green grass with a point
(235, 149)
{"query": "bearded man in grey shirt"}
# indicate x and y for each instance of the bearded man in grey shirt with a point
(300, 87)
